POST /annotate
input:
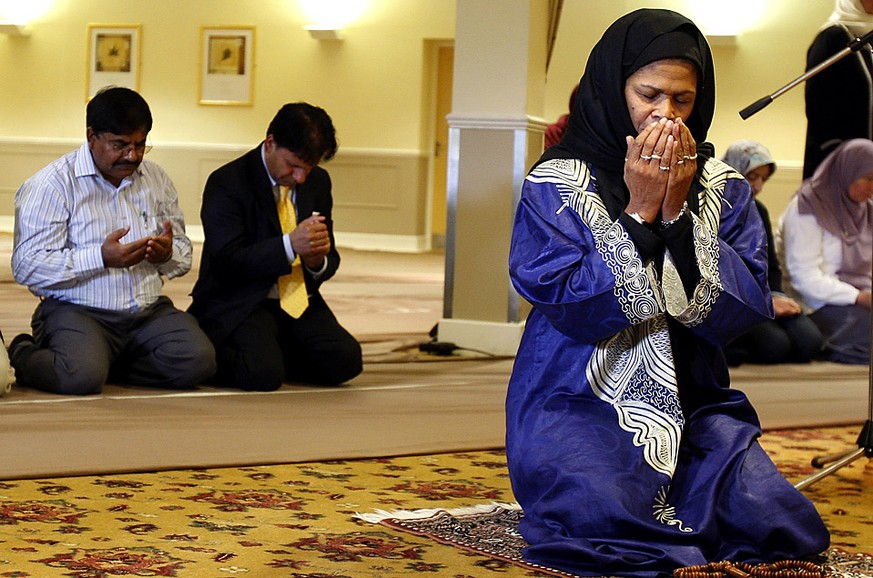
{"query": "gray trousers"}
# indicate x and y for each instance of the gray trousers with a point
(77, 349)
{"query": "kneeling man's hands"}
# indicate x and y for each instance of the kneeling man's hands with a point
(311, 241)
(154, 249)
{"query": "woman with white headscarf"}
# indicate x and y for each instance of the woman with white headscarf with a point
(825, 238)
(839, 99)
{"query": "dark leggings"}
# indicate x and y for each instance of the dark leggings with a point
(846, 333)
(794, 339)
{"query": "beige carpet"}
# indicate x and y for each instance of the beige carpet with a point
(453, 406)
(403, 403)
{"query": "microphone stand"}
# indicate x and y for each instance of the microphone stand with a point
(865, 438)
(842, 459)
(854, 46)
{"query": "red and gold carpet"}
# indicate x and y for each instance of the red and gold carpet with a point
(299, 520)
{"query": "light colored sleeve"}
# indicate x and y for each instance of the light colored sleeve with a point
(43, 257)
(811, 257)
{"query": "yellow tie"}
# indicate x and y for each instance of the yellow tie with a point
(292, 287)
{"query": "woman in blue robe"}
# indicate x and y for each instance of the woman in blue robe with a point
(642, 255)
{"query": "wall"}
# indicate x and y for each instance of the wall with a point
(375, 85)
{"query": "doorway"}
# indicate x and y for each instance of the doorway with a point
(445, 59)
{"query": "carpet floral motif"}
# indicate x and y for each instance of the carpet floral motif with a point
(299, 520)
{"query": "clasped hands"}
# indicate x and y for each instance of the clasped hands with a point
(311, 241)
(154, 248)
(659, 166)
(784, 306)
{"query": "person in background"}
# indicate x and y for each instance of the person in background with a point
(96, 232)
(791, 337)
(628, 450)
(825, 240)
(268, 247)
(555, 131)
(839, 99)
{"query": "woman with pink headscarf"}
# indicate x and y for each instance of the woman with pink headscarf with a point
(826, 243)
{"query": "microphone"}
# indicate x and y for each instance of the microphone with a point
(853, 46)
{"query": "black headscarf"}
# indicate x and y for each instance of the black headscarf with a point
(600, 119)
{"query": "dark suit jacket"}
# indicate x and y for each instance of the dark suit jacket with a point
(243, 252)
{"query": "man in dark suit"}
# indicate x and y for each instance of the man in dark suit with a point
(250, 260)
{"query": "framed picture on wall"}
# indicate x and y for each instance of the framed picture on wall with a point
(113, 57)
(227, 65)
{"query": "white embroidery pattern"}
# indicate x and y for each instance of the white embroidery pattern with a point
(636, 286)
(706, 248)
(665, 513)
(634, 370)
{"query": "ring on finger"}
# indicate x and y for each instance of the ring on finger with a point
(646, 157)
(689, 157)
(680, 162)
(663, 168)
(656, 156)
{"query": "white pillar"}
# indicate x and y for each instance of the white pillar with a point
(495, 135)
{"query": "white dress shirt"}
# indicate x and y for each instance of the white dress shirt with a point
(63, 214)
(810, 258)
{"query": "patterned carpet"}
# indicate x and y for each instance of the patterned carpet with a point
(299, 520)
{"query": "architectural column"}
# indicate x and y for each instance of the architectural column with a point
(495, 135)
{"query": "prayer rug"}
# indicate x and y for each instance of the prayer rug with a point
(492, 529)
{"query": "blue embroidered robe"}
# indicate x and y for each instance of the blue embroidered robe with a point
(628, 451)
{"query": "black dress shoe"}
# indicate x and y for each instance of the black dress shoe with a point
(19, 341)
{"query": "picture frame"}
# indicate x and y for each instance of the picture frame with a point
(113, 57)
(227, 56)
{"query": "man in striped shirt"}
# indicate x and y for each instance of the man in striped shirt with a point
(96, 232)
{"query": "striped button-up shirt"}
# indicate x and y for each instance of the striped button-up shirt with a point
(63, 214)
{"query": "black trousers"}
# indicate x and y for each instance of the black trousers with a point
(846, 332)
(270, 347)
(77, 349)
(794, 339)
